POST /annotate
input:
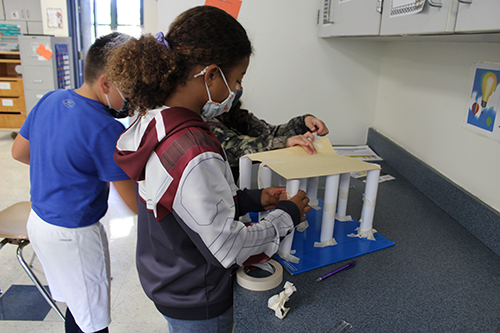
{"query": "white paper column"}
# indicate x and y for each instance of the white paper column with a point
(329, 207)
(281, 181)
(303, 184)
(345, 179)
(266, 175)
(312, 191)
(292, 187)
(245, 180)
(369, 200)
(245, 172)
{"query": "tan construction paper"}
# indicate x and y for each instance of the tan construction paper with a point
(295, 163)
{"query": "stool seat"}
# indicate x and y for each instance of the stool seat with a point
(13, 220)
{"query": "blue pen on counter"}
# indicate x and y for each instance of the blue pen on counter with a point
(349, 265)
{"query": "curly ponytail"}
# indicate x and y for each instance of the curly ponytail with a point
(149, 71)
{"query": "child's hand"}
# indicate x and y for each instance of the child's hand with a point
(316, 125)
(305, 140)
(301, 201)
(270, 196)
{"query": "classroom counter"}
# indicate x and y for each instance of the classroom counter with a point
(437, 277)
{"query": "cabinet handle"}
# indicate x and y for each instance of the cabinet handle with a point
(465, 1)
(22, 13)
(435, 4)
(27, 13)
(327, 9)
(37, 81)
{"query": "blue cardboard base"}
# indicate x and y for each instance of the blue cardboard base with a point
(348, 247)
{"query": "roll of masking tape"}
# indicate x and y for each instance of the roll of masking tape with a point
(260, 283)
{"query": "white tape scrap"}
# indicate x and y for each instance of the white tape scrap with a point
(318, 144)
(302, 226)
(368, 234)
(343, 194)
(245, 218)
(328, 207)
(326, 243)
(343, 218)
(289, 257)
(314, 203)
(368, 203)
(277, 302)
(260, 182)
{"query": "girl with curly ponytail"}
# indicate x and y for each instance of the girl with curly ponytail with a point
(190, 241)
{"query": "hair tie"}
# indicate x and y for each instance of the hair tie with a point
(160, 38)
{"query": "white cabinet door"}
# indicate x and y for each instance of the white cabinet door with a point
(436, 17)
(24, 10)
(35, 27)
(14, 10)
(478, 16)
(33, 10)
(349, 18)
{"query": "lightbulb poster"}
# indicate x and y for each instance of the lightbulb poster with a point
(484, 102)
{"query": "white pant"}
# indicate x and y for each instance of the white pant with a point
(77, 267)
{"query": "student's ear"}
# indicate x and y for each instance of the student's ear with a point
(104, 83)
(211, 73)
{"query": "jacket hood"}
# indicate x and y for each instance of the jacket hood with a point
(139, 141)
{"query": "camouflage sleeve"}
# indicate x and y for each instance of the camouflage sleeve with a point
(260, 137)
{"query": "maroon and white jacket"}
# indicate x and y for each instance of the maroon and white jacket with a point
(189, 238)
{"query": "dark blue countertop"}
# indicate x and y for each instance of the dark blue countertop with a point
(437, 278)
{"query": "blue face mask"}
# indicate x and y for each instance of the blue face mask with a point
(213, 109)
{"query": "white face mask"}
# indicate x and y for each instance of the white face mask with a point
(213, 109)
(124, 111)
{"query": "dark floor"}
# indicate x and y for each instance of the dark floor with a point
(437, 278)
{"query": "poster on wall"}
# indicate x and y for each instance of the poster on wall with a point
(232, 7)
(54, 18)
(484, 102)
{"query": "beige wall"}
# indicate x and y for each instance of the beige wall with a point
(415, 93)
(292, 72)
(422, 100)
(150, 8)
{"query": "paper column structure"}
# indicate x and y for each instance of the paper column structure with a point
(329, 208)
(344, 182)
(281, 181)
(285, 250)
(267, 176)
(303, 185)
(245, 172)
(245, 180)
(312, 191)
(366, 221)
